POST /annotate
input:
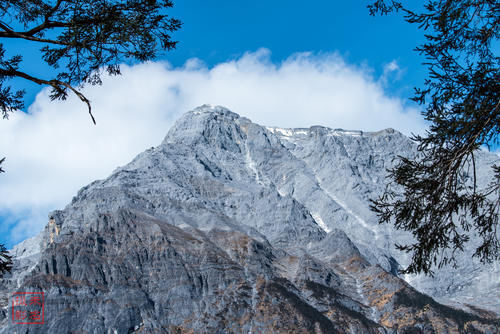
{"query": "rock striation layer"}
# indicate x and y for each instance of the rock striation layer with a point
(231, 227)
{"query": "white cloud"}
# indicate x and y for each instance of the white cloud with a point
(54, 150)
(391, 71)
(391, 67)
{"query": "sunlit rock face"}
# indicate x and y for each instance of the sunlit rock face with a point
(231, 227)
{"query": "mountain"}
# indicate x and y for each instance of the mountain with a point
(231, 227)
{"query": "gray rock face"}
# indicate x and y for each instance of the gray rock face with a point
(231, 227)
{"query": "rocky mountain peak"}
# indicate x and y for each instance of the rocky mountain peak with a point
(204, 124)
(229, 226)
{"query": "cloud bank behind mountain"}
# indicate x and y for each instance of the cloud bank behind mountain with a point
(54, 149)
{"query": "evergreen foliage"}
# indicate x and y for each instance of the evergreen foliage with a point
(80, 38)
(435, 195)
(5, 260)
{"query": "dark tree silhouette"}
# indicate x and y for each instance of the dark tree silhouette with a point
(5, 261)
(435, 195)
(5, 258)
(80, 39)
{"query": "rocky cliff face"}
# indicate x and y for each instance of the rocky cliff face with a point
(231, 227)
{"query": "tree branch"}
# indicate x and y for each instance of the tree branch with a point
(53, 10)
(15, 34)
(5, 27)
(56, 84)
(46, 25)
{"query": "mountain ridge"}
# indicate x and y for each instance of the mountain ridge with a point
(256, 206)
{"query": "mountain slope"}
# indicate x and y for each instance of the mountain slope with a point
(228, 226)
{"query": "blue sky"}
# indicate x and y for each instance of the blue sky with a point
(250, 44)
(216, 31)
